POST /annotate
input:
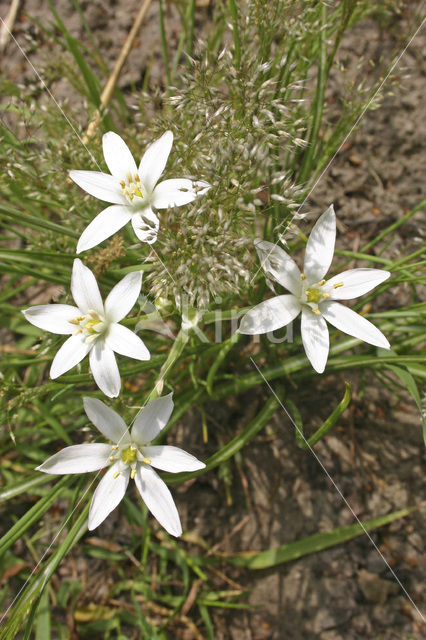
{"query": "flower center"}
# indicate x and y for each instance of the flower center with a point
(91, 325)
(129, 455)
(132, 187)
(314, 294)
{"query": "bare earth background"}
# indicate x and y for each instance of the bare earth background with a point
(278, 492)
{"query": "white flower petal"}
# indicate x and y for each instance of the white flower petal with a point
(152, 419)
(123, 341)
(279, 265)
(356, 282)
(158, 499)
(71, 353)
(106, 223)
(104, 368)
(154, 160)
(109, 493)
(53, 317)
(270, 315)
(353, 324)
(173, 459)
(100, 185)
(79, 458)
(315, 339)
(146, 225)
(109, 423)
(123, 296)
(320, 247)
(85, 290)
(174, 193)
(118, 156)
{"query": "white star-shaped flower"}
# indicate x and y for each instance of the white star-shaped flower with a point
(130, 457)
(133, 191)
(313, 296)
(93, 326)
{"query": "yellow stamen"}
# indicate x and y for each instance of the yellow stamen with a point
(317, 311)
(147, 461)
(91, 325)
(303, 277)
(132, 474)
(321, 283)
(133, 188)
(325, 295)
(337, 285)
(111, 458)
(116, 474)
(114, 447)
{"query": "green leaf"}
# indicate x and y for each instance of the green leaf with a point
(328, 424)
(313, 544)
(52, 421)
(33, 222)
(207, 621)
(73, 47)
(42, 630)
(23, 487)
(38, 581)
(34, 514)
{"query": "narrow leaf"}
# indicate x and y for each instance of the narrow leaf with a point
(313, 544)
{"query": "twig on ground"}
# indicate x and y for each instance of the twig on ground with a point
(8, 24)
(109, 88)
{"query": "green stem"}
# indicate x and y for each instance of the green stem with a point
(181, 42)
(190, 34)
(174, 353)
(348, 9)
(164, 49)
(397, 265)
(309, 155)
(356, 255)
(236, 33)
(219, 359)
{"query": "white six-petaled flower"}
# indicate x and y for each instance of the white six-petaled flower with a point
(130, 457)
(133, 191)
(313, 296)
(93, 326)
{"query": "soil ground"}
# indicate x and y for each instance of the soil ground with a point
(375, 454)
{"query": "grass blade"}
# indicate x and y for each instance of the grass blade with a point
(313, 544)
(328, 424)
